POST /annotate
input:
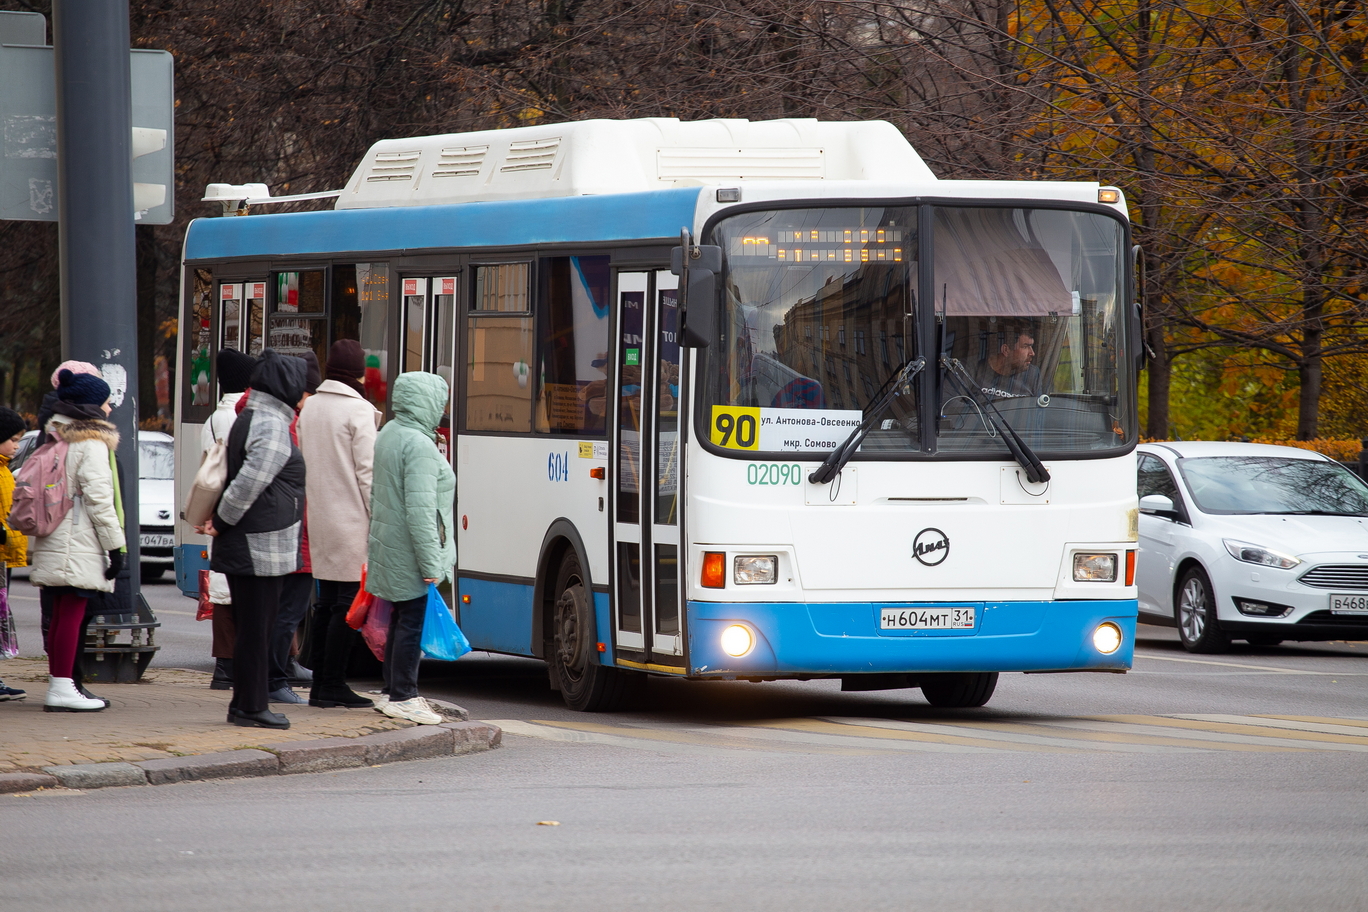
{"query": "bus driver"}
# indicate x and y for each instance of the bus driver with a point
(1008, 370)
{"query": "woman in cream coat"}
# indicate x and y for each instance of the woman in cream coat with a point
(337, 428)
(85, 552)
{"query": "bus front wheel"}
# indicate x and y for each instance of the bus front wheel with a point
(585, 685)
(959, 690)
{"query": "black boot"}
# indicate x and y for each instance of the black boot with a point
(223, 675)
(333, 648)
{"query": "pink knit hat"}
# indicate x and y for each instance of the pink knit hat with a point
(76, 367)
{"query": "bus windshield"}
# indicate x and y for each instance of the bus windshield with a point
(821, 308)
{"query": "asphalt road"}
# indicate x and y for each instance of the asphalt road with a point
(1194, 782)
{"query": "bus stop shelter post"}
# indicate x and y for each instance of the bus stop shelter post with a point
(95, 199)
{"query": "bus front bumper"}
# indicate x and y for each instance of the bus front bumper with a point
(843, 638)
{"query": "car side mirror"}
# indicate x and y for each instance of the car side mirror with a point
(1158, 505)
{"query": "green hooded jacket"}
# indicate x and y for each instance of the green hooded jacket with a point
(412, 536)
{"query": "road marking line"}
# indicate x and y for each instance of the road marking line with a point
(1336, 727)
(639, 738)
(1002, 733)
(1261, 733)
(1355, 723)
(1268, 669)
(811, 731)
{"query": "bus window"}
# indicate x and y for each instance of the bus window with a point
(499, 351)
(574, 346)
(297, 324)
(256, 317)
(230, 316)
(360, 307)
(199, 342)
(415, 305)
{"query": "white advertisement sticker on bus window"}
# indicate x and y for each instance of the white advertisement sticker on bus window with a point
(781, 430)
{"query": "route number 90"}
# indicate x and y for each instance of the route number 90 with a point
(736, 428)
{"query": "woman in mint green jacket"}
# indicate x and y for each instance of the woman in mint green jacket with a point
(412, 536)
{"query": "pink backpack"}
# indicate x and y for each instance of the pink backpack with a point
(40, 491)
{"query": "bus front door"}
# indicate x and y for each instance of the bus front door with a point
(646, 578)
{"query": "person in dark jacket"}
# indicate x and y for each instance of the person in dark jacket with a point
(256, 527)
(297, 588)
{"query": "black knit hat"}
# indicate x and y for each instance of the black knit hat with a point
(11, 423)
(314, 375)
(81, 389)
(234, 370)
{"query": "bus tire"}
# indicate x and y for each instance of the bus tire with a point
(585, 685)
(960, 689)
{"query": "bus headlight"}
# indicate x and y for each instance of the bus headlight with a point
(1094, 568)
(755, 570)
(1107, 638)
(737, 640)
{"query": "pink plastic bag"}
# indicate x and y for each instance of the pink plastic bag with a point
(376, 629)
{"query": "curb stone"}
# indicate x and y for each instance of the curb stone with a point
(25, 782)
(418, 743)
(97, 775)
(221, 765)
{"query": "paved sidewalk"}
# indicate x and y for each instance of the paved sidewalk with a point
(172, 713)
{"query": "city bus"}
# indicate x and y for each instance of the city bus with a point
(729, 400)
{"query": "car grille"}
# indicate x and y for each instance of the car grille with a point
(1337, 576)
(1336, 620)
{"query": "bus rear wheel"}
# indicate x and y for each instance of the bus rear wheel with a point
(959, 690)
(585, 685)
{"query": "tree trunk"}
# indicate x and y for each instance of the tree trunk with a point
(1160, 382)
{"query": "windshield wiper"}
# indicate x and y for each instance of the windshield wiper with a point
(892, 388)
(1036, 473)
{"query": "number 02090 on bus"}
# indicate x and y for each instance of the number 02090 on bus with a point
(727, 400)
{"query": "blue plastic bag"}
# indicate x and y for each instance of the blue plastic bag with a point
(442, 639)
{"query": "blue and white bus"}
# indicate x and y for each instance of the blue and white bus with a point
(729, 400)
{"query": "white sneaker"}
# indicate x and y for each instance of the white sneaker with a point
(414, 710)
(379, 699)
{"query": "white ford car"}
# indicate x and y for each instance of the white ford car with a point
(1251, 542)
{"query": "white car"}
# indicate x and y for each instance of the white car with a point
(156, 498)
(1251, 542)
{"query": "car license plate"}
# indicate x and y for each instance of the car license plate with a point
(951, 618)
(157, 540)
(1341, 603)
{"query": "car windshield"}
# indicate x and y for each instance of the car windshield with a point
(822, 306)
(1263, 484)
(156, 460)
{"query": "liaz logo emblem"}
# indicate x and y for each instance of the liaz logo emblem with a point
(931, 547)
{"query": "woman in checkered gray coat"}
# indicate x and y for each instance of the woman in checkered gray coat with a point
(256, 526)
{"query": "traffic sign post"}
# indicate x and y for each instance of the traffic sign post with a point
(94, 199)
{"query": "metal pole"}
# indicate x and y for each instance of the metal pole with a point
(95, 198)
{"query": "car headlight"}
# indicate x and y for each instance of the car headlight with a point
(1258, 554)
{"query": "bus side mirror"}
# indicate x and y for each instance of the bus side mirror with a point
(698, 281)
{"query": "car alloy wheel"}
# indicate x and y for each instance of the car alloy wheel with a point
(1197, 624)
